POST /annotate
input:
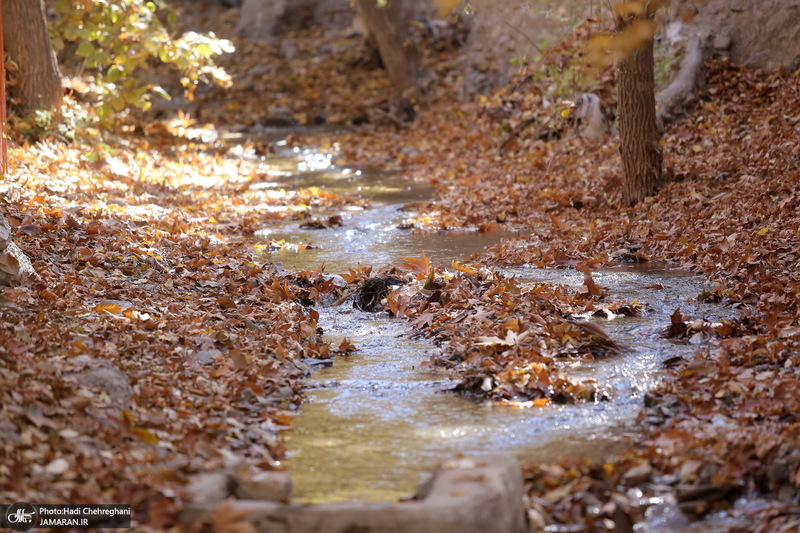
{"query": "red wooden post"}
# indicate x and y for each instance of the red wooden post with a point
(3, 147)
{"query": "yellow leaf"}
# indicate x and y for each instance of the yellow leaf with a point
(602, 50)
(127, 417)
(144, 435)
(446, 6)
(108, 307)
(763, 231)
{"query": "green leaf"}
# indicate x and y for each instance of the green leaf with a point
(204, 50)
(114, 74)
(85, 49)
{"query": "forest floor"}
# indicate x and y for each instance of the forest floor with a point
(156, 341)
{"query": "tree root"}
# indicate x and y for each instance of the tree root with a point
(688, 86)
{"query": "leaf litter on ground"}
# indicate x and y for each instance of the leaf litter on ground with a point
(156, 342)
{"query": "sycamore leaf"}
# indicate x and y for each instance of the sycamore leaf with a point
(346, 346)
(420, 266)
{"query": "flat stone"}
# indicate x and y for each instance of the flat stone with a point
(318, 363)
(263, 485)
(110, 380)
(478, 495)
(639, 474)
(210, 488)
(15, 267)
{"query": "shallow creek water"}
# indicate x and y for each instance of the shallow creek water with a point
(374, 423)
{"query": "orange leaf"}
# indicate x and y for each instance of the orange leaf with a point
(421, 266)
(346, 346)
(283, 419)
(446, 6)
(461, 268)
(108, 307)
(541, 402)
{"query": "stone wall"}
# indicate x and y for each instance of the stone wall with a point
(503, 31)
(267, 19)
(764, 33)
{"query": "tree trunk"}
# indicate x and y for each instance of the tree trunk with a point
(28, 43)
(640, 142)
(388, 27)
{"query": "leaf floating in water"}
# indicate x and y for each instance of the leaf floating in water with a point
(347, 347)
(677, 326)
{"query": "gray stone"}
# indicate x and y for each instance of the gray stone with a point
(262, 485)
(5, 233)
(762, 33)
(15, 267)
(210, 488)
(639, 474)
(280, 116)
(8, 431)
(475, 495)
(205, 357)
(111, 381)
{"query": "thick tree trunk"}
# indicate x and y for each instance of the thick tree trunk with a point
(28, 44)
(640, 142)
(389, 29)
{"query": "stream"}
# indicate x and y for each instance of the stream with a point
(374, 424)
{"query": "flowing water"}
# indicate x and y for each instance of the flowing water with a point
(374, 423)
